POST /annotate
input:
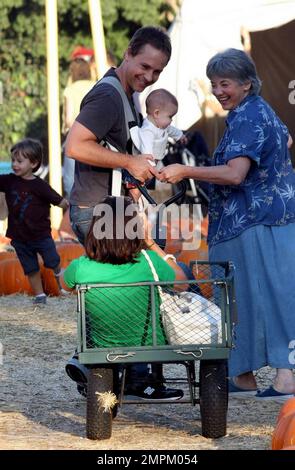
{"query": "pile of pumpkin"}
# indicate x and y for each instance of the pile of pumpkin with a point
(13, 280)
(283, 437)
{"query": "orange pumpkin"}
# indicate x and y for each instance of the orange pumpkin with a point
(7, 255)
(67, 252)
(49, 282)
(288, 448)
(288, 407)
(12, 278)
(173, 247)
(179, 247)
(200, 253)
(50, 285)
(201, 272)
(180, 228)
(278, 437)
(289, 436)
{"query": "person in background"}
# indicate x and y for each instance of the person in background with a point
(102, 119)
(80, 84)
(252, 210)
(28, 200)
(87, 54)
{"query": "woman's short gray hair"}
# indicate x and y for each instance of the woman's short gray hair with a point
(234, 64)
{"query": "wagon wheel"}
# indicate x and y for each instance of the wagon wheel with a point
(98, 419)
(213, 397)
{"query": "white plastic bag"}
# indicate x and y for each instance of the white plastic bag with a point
(189, 318)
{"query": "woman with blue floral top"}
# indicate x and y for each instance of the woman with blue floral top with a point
(252, 223)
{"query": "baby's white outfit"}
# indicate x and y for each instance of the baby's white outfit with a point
(149, 139)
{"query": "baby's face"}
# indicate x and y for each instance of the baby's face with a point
(22, 166)
(163, 117)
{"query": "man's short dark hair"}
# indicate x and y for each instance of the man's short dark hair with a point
(154, 36)
(31, 149)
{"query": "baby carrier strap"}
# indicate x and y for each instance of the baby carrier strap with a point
(130, 121)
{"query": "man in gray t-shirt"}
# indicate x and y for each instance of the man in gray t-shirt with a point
(102, 118)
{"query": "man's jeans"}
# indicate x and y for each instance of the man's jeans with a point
(81, 218)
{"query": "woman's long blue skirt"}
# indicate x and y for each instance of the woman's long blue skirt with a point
(264, 258)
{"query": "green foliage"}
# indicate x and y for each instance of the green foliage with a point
(23, 54)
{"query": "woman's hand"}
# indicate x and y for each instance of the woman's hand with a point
(172, 173)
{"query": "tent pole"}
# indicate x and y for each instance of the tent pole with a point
(98, 37)
(54, 144)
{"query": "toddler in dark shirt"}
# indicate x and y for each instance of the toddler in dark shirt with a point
(28, 199)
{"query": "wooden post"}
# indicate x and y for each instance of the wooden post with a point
(98, 37)
(54, 143)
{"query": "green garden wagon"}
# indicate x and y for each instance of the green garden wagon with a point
(107, 365)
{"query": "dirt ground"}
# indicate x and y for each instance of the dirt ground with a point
(41, 409)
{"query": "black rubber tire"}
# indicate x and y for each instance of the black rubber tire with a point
(213, 397)
(98, 421)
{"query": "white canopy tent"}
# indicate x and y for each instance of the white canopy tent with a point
(203, 28)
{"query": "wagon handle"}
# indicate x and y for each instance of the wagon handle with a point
(197, 356)
(118, 356)
(169, 201)
(160, 235)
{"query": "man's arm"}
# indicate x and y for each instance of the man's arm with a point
(82, 145)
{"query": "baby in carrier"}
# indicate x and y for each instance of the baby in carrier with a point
(152, 136)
